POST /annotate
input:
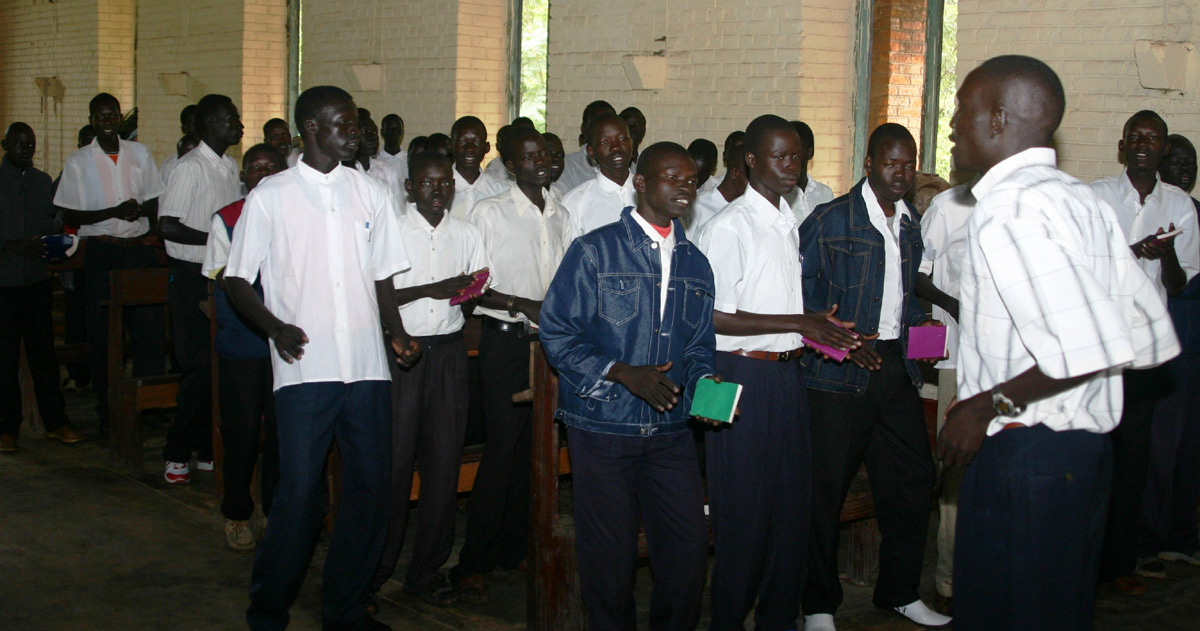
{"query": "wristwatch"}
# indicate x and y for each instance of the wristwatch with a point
(512, 312)
(1005, 406)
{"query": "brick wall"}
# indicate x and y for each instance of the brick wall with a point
(1091, 45)
(264, 65)
(727, 62)
(481, 75)
(898, 64)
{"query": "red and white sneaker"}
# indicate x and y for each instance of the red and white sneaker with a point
(177, 473)
(204, 465)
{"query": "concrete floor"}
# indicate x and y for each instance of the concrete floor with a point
(85, 548)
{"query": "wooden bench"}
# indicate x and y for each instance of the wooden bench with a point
(129, 396)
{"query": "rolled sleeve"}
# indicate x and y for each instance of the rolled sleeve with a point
(216, 251)
(251, 241)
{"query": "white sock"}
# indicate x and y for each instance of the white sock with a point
(819, 622)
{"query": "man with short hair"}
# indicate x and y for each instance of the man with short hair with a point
(186, 142)
(704, 152)
(110, 189)
(366, 159)
(599, 201)
(278, 134)
(325, 241)
(731, 187)
(557, 155)
(809, 193)
(1053, 306)
(636, 121)
(26, 215)
(469, 140)
(204, 181)
(578, 167)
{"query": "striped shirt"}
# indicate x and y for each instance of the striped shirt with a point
(200, 184)
(1049, 281)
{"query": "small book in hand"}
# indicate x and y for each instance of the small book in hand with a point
(59, 247)
(474, 290)
(715, 401)
(927, 342)
(836, 354)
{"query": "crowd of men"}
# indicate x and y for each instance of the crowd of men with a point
(345, 270)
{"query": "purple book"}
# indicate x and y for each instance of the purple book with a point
(926, 342)
(835, 354)
(473, 291)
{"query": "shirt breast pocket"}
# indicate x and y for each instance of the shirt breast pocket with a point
(697, 298)
(362, 243)
(618, 298)
(847, 262)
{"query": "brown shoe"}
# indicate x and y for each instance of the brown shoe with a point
(8, 443)
(472, 589)
(65, 434)
(1129, 585)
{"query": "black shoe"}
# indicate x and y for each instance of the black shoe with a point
(372, 604)
(438, 592)
(366, 624)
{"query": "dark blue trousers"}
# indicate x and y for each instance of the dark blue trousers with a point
(618, 479)
(759, 493)
(1173, 487)
(1031, 519)
(310, 417)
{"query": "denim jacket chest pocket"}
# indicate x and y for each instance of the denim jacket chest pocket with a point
(618, 298)
(697, 297)
(848, 261)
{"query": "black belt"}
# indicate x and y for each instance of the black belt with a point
(434, 341)
(496, 324)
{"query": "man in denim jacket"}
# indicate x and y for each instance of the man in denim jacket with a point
(863, 258)
(627, 322)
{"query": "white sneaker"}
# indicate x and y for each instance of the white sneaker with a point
(819, 622)
(1190, 559)
(177, 473)
(238, 536)
(204, 465)
(921, 614)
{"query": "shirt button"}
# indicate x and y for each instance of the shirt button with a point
(876, 298)
(653, 246)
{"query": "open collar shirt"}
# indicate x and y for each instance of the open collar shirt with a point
(599, 202)
(577, 169)
(523, 244)
(754, 250)
(891, 304)
(706, 206)
(320, 241)
(666, 247)
(1165, 205)
(466, 194)
(944, 236)
(804, 200)
(1049, 281)
(200, 184)
(91, 181)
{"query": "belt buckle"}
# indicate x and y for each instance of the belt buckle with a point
(785, 356)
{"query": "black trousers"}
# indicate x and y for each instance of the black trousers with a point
(619, 481)
(498, 513)
(25, 317)
(1030, 521)
(190, 330)
(311, 417)
(247, 413)
(75, 321)
(759, 488)
(1131, 466)
(145, 324)
(885, 429)
(1173, 486)
(429, 422)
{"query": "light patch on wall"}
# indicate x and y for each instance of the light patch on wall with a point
(365, 77)
(1163, 65)
(645, 72)
(175, 83)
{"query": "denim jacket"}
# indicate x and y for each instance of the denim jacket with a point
(843, 261)
(603, 307)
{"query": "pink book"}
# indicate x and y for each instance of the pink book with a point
(474, 290)
(926, 342)
(835, 354)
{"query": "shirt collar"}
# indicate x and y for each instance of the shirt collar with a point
(7, 167)
(874, 209)
(461, 183)
(413, 219)
(316, 177)
(650, 231)
(523, 204)
(1128, 191)
(781, 216)
(96, 148)
(609, 187)
(1032, 157)
(203, 150)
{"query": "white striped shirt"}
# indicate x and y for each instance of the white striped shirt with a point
(201, 183)
(1048, 280)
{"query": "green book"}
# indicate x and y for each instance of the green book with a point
(716, 401)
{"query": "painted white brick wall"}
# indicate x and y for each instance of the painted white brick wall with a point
(1090, 43)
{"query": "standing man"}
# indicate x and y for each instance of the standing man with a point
(204, 181)
(599, 201)
(636, 121)
(324, 239)
(366, 159)
(110, 189)
(1053, 305)
(469, 141)
(278, 134)
(809, 193)
(760, 467)
(391, 128)
(26, 215)
(1145, 207)
(524, 234)
(861, 253)
(578, 166)
(628, 367)
(731, 187)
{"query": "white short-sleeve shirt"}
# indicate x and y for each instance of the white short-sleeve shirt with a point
(387, 175)
(944, 234)
(523, 244)
(91, 181)
(320, 241)
(805, 200)
(577, 169)
(598, 202)
(201, 183)
(1048, 280)
(754, 249)
(454, 247)
(467, 194)
(1165, 205)
(706, 206)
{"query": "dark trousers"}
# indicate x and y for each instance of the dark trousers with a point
(1173, 486)
(429, 421)
(145, 324)
(885, 429)
(191, 334)
(759, 485)
(1131, 465)
(1030, 525)
(311, 416)
(247, 413)
(25, 317)
(498, 514)
(617, 480)
(75, 322)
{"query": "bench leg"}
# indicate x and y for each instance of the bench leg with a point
(862, 555)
